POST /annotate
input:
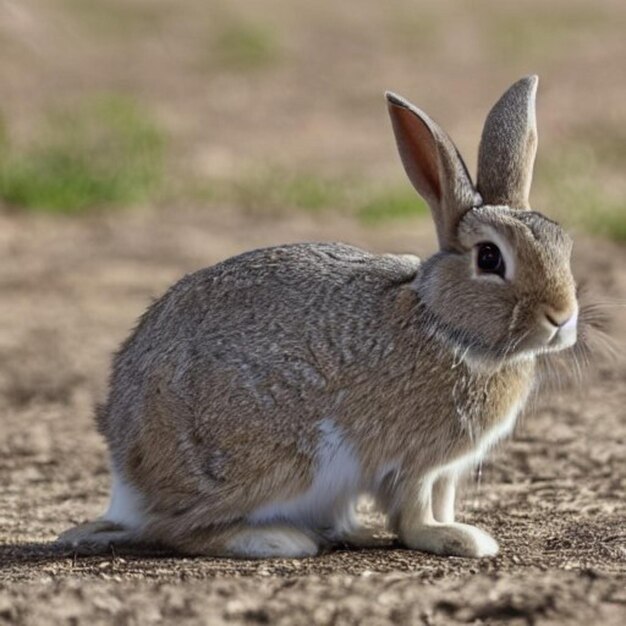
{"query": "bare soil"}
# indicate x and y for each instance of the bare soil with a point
(554, 496)
(71, 288)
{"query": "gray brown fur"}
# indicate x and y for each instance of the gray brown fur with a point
(508, 147)
(217, 399)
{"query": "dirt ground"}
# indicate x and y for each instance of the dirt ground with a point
(554, 496)
(72, 287)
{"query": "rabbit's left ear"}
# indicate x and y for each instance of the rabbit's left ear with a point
(434, 166)
(508, 146)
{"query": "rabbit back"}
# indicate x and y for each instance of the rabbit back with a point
(230, 376)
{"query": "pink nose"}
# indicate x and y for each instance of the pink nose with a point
(558, 318)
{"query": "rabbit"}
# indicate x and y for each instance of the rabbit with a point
(258, 399)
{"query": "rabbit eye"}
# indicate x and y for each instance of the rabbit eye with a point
(489, 259)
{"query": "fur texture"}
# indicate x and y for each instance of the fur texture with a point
(259, 398)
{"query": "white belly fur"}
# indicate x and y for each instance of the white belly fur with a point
(332, 493)
(125, 503)
(330, 499)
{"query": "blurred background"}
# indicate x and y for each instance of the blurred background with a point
(270, 107)
(143, 139)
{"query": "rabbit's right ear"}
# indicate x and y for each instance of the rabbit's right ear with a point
(434, 166)
(508, 147)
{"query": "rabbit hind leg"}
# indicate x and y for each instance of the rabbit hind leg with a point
(245, 541)
(96, 537)
(271, 541)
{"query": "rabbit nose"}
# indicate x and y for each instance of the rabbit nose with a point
(560, 318)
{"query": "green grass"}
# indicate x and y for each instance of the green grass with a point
(610, 222)
(104, 152)
(566, 182)
(275, 191)
(575, 182)
(392, 203)
(587, 205)
(243, 45)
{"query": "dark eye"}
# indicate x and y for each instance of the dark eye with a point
(489, 259)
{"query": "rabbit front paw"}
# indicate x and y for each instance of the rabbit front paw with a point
(451, 540)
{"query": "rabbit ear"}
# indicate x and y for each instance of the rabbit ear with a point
(508, 146)
(434, 166)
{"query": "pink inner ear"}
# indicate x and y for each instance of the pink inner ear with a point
(418, 151)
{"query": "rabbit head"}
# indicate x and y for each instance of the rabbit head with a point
(501, 285)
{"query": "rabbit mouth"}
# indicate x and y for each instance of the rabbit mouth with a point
(543, 341)
(563, 338)
(519, 345)
(559, 339)
(548, 335)
(564, 335)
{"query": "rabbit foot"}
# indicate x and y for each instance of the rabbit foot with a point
(271, 541)
(95, 537)
(451, 540)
